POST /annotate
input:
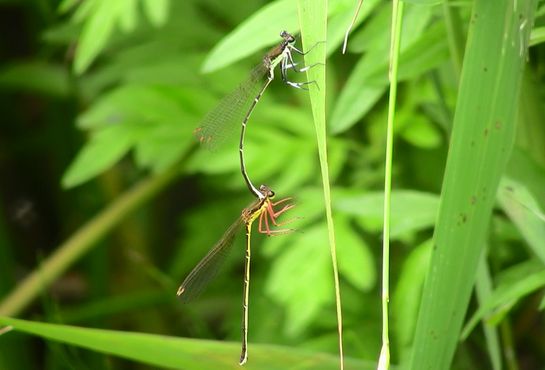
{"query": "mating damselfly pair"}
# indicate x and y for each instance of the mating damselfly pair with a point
(237, 108)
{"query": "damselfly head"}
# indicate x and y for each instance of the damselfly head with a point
(266, 191)
(287, 37)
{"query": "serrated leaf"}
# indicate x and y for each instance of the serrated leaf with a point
(95, 33)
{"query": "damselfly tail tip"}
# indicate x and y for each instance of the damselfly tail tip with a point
(243, 358)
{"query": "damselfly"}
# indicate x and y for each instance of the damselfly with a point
(266, 212)
(239, 105)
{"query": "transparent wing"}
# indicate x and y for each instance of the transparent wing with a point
(208, 267)
(222, 121)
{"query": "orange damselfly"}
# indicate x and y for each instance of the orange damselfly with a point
(266, 212)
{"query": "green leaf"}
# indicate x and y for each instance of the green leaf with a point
(523, 209)
(483, 289)
(302, 304)
(261, 29)
(356, 263)
(157, 11)
(517, 283)
(66, 5)
(95, 33)
(159, 119)
(128, 17)
(411, 210)
(100, 17)
(341, 14)
(424, 2)
(36, 77)
(162, 147)
(422, 49)
(522, 198)
(409, 285)
(420, 132)
(143, 104)
(482, 140)
(179, 353)
(537, 36)
(104, 149)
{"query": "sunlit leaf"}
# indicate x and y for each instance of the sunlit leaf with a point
(104, 149)
(177, 353)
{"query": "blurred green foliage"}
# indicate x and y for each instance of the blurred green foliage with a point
(98, 95)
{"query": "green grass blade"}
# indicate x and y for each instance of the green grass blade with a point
(483, 289)
(517, 286)
(482, 140)
(313, 18)
(178, 353)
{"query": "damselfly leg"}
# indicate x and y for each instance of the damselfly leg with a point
(271, 215)
(288, 63)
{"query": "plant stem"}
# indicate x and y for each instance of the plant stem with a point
(82, 240)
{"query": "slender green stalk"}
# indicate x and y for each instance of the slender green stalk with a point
(81, 241)
(397, 17)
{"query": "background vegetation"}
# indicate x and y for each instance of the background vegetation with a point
(107, 203)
